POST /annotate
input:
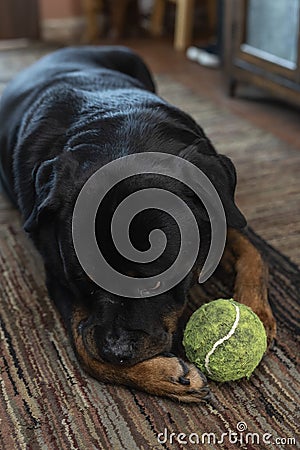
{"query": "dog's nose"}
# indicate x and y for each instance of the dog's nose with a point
(114, 356)
(116, 348)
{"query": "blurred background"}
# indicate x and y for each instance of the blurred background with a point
(254, 41)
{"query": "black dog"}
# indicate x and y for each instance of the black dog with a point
(62, 119)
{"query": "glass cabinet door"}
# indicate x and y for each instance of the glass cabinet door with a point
(271, 32)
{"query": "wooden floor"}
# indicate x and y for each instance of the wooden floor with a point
(260, 108)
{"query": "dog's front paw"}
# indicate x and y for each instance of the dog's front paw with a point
(163, 375)
(172, 377)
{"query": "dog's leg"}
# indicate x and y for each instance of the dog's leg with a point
(251, 282)
(166, 376)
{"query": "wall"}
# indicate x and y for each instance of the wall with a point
(54, 9)
(61, 20)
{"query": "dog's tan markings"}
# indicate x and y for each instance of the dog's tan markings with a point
(78, 316)
(164, 376)
(171, 320)
(251, 282)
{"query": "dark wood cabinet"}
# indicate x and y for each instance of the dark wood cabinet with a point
(19, 19)
(262, 45)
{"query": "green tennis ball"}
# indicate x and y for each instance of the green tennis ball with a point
(225, 339)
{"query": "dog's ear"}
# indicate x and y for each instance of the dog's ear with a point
(221, 172)
(52, 188)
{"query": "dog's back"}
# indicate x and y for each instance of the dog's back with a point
(79, 90)
(60, 88)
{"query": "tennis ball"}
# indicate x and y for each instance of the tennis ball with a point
(225, 339)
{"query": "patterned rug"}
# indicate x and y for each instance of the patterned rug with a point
(48, 402)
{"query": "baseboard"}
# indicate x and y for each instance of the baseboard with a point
(65, 31)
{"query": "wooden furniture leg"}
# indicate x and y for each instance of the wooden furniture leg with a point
(157, 17)
(92, 9)
(183, 24)
(183, 21)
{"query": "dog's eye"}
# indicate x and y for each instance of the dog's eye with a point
(145, 292)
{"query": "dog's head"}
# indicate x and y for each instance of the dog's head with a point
(118, 329)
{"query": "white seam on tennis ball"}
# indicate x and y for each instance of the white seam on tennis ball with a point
(223, 339)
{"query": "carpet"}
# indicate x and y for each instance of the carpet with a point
(48, 402)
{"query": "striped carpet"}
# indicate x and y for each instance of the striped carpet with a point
(48, 402)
